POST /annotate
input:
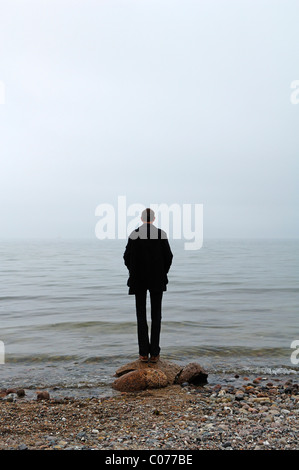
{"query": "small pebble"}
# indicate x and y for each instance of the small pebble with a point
(42, 395)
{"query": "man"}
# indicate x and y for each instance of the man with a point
(148, 258)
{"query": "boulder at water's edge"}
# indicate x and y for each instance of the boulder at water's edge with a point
(137, 375)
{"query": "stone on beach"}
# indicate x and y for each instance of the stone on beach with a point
(192, 373)
(42, 395)
(19, 392)
(140, 380)
(170, 369)
(138, 375)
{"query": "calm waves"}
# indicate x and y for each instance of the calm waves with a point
(67, 319)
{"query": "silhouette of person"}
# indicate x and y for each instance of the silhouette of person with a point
(148, 258)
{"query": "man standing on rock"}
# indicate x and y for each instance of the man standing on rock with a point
(148, 258)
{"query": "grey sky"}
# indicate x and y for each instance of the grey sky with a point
(161, 101)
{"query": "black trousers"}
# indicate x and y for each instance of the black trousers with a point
(149, 346)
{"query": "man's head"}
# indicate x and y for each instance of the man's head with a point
(148, 216)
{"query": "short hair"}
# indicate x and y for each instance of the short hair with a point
(148, 215)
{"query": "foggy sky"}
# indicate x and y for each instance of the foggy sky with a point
(160, 101)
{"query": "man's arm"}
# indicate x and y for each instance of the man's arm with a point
(127, 254)
(167, 254)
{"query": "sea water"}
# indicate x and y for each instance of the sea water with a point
(67, 321)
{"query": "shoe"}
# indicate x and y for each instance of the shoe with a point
(154, 359)
(143, 358)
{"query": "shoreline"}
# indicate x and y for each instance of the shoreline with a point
(247, 413)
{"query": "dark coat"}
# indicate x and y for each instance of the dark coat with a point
(148, 258)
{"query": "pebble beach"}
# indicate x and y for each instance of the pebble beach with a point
(250, 413)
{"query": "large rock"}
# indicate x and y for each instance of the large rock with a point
(193, 373)
(137, 375)
(170, 369)
(141, 379)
